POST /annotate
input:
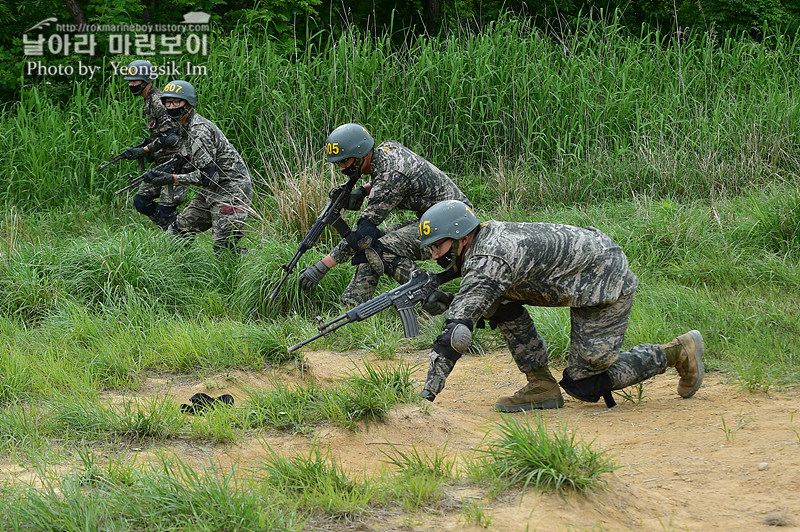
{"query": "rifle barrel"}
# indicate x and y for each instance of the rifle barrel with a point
(134, 183)
(324, 331)
(111, 161)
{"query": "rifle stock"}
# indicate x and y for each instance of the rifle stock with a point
(403, 298)
(330, 215)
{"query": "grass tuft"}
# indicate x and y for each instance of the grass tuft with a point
(530, 455)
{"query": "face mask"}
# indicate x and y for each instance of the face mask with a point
(353, 169)
(176, 112)
(136, 89)
(450, 259)
(445, 261)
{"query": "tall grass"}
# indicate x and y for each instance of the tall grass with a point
(594, 114)
(97, 304)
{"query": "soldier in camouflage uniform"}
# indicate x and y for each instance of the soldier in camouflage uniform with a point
(159, 147)
(505, 265)
(399, 179)
(214, 164)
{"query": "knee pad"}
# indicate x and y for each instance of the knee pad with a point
(363, 235)
(455, 339)
(145, 205)
(506, 312)
(590, 389)
(167, 215)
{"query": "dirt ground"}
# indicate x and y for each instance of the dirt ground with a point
(724, 460)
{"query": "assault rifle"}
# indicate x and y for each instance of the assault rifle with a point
(403, 298)
(172, 166)
(330, 215)
(118, 157)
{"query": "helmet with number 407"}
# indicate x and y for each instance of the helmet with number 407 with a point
(348, 140)
(447, 219)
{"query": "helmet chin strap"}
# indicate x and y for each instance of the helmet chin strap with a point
(452, 256)
(354, 168)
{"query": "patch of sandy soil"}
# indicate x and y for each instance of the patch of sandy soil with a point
(681, 469)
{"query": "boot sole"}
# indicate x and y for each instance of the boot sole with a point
(698, 357)
(547, 404)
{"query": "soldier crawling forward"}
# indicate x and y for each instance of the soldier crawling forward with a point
(505, 265)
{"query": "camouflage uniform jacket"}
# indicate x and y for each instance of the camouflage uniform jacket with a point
(209, 150)
(541, 264)
(401, 179)
(158, 122)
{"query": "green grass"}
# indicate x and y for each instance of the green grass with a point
(365, 396)
(317, 483)
(168, 496)
(526, 453)
(516, 116)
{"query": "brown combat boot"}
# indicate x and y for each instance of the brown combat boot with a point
(541, 392)
(685, 353)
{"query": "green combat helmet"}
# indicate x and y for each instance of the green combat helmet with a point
(348, 140)
(141, 69)
(182, 90)
(447, 219)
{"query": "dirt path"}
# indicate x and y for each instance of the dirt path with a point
(682, 468)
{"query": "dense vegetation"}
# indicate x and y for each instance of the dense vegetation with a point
(685, 151)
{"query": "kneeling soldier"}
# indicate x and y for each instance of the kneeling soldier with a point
(505, 265)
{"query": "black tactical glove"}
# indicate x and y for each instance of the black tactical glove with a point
(312, 275)
(133, 152)
(355, 199)
(158, 178)
(437, 302)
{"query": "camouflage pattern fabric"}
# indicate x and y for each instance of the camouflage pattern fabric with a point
(557, 265)
(400, 240)
(223, 204)
(438, 372)
(361, 287)
(402, 180)
(158, 123)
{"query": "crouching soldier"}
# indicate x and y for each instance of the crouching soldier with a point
(223, 202)
(159, 147)
(399, 180)
(505, 265)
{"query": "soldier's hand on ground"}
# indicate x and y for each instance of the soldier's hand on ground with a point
(312, 275)
(356, 199)
(437, 302)
(158, 178)
(133, 153)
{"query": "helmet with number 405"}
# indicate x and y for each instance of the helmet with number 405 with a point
(348, 140)
(447, 219)
(182, 90)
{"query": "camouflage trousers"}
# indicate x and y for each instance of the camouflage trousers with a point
(400, 244)
(224, 212)
(167, 195)
(596, 338)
